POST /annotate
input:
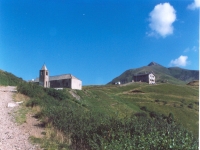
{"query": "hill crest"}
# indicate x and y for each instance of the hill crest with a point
(153, 64)
(10, 79)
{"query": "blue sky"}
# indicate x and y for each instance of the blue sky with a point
(97, 40)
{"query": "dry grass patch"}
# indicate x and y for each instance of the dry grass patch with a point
(57, 135)
(36, 109)
(21, 112)
(18, 97)
(25, 117)
(52, 139)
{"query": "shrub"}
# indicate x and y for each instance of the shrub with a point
(30, 89)
(140, 114)
(170, 118)
(183, 101)
(153, 114)
(190, 106)
(84, 105)
(33, 102)
(164, 102)
(143, 108)
(164, 117)
(57, 94)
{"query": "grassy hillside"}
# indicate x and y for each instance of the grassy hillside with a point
(180, 100)
(173, 75)
(133, 116)
(7, 78)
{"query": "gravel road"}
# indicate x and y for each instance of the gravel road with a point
(12, 137)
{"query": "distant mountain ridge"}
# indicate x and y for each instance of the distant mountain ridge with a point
(174, 75)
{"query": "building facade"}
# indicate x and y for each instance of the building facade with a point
(60, 81)
(147, 77)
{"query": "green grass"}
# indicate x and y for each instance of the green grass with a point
(22, 111)
(172, 98)
(51, 143)
(20, 115)
(7, 78)
(117, 117)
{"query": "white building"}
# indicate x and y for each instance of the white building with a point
(147, 77)
(118, 82)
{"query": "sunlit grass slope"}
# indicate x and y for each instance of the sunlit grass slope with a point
(132, 116)
(180, 100)
(7, 78)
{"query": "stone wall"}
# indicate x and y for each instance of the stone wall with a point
(64, 83)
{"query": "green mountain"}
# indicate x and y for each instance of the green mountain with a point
(7, 78)
(173, 75)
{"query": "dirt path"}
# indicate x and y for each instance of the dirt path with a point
(12, 137)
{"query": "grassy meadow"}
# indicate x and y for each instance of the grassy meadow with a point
(132, 116)
(180, 100)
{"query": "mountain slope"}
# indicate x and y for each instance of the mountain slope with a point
(183, 74)
(172, 75)
(7, 78)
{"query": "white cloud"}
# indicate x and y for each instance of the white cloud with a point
(161, 20)
(193, 49)
(194, 5)
(181, 61)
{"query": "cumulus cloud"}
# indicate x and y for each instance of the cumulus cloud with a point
(181, 61)
(161, 19)
(194, 5)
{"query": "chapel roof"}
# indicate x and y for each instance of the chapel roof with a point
(44, 67)
(59, 77)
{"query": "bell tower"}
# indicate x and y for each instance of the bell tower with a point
(44, 77)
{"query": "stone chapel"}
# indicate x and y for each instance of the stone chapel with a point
(60, 81)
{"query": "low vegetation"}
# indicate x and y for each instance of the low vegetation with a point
(115, 117)
(7, 78)
(20, 114)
